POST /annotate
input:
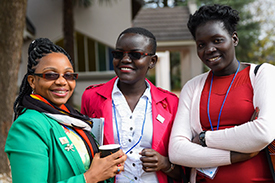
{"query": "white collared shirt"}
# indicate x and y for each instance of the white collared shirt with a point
(129, 128)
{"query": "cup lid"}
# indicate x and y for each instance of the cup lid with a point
(109, 146)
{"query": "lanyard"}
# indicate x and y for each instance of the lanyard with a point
(141, 128)
(208, 113)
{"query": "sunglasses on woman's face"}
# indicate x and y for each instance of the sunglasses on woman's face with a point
(55, 76)
(135, 55)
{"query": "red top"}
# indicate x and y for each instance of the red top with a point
(238, 109)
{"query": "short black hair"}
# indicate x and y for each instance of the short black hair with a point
(144, 32)
(216, 12)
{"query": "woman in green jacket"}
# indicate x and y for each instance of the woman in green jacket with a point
(50, 141)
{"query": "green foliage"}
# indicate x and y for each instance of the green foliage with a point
(180, 2)
(264, 50)
(175, 71)
(233, 3)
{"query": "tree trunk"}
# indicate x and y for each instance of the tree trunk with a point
(68, 32)
(165, 3)
(12, 22)
(68, 27)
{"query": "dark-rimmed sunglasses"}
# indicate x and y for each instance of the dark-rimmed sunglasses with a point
(135, 55)
(55, 76)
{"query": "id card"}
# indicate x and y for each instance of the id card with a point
(209, 172)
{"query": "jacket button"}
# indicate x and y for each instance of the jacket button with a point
(164, 105)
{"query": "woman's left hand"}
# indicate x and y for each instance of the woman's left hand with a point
(196, 140)
(152, 161)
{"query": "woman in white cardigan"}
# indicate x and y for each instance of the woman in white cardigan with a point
(226, 116)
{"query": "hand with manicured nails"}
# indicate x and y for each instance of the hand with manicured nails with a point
(105, 168)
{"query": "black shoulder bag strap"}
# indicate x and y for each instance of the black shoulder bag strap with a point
(271, 158)
(270, 149)
(257, 68)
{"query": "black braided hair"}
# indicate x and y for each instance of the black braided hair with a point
(216, 12)
(144, 32)
(37, 49)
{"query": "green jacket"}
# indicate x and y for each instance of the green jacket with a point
(36, 153)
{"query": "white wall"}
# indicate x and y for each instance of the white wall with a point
(87, 79)
(163, 70)
(104, 22)
(191, 65)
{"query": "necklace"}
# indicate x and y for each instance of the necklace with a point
(141, 133)
(208, 101)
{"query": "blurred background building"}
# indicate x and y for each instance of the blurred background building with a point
(96, 29)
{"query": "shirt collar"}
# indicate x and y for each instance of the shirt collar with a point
(147, 93)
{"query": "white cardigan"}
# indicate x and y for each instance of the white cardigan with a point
(249, 137)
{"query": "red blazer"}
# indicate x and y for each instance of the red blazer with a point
(97, 102)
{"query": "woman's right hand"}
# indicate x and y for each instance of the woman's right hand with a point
(105, 168)
(236, 157)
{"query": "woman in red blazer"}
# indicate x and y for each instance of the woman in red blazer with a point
(137, 114)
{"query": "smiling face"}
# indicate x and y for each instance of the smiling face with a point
(216, 47)
(57, 91)
(129, 70)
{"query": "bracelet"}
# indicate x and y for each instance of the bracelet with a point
(172, 166)
(202, 139)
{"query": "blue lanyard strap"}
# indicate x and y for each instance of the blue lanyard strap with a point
(142, 129)
(208, 102)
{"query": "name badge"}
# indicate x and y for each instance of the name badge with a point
(209, 172)
(160, 118)
(63, 140)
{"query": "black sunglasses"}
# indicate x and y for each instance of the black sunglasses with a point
(55, 76)
(135, 55)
